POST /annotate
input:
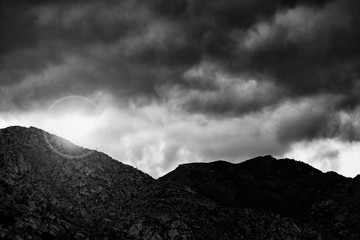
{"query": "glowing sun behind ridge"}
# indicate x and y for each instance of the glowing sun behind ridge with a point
(74, 118)
(75, 127)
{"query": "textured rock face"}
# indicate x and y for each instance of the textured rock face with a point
(175, 211)
(47, 195)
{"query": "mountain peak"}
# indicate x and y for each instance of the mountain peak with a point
(42, 174)
(46, 192)
(264, 157)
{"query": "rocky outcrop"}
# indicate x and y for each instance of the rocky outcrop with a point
(53, 189)
(48, 195)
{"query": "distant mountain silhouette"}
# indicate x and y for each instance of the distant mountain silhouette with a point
(53, 189)
(328, 202)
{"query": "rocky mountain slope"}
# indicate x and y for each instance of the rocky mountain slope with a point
(328, 202)
(46, 195)
(52, 189)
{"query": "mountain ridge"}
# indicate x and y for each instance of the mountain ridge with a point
(261, 157)
(45, 195)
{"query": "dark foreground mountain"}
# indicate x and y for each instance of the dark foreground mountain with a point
(52, 189)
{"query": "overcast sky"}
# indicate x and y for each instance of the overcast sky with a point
(157, 83)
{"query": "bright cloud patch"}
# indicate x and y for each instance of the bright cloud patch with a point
(328, 155)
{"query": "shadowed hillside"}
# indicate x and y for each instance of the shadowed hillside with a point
(328, 201)
(47, 194)
(44, 194)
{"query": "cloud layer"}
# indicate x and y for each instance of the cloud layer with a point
(191, 80)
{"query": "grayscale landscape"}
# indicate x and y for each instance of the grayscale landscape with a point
(179, 119)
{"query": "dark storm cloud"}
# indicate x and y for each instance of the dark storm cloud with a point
(305, 127)
(209, 90)
(262, 54)
(309, 50)
(67, 47)
(306, 56)
(16, 27)
(304, 47)
(77, 47)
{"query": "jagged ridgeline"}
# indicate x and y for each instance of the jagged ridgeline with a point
(53, 189)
